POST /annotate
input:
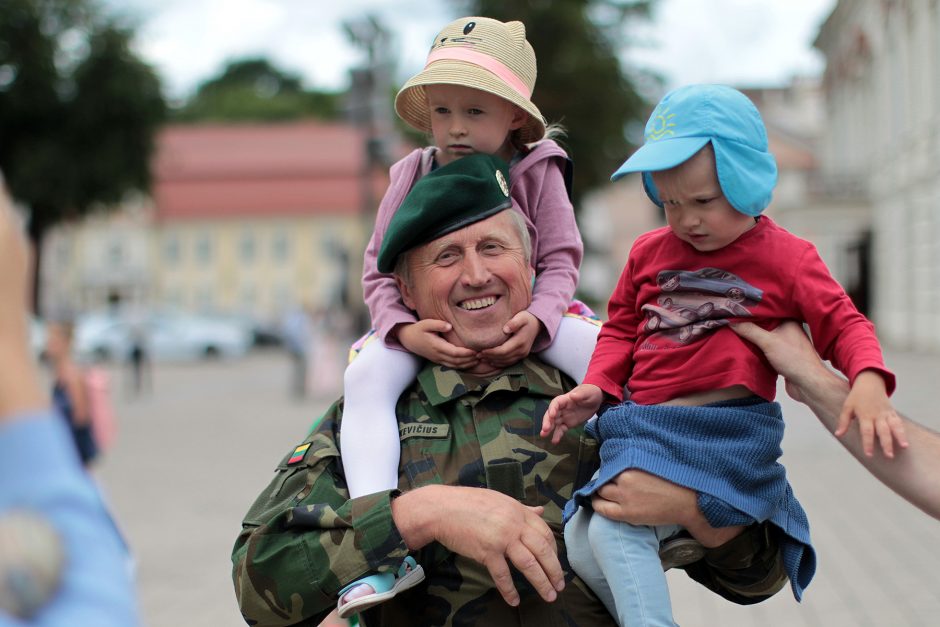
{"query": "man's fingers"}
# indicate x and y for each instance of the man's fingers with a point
(750, 332)
(502, 579)
(527, 563)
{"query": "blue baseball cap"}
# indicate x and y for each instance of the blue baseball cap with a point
(687, 119)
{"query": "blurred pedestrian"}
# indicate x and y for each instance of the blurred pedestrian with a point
(71, 567)
(297, 330)
(69, 392)
(138, 357)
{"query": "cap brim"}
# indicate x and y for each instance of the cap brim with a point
(661, 155)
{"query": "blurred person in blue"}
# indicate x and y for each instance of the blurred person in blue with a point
(297, 332)
(88, 583)
(700, 411)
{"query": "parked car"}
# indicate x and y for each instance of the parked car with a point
(102, 336)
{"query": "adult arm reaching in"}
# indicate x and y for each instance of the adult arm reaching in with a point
(913, 473)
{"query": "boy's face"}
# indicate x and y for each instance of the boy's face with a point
(696, 209)
(466, 120)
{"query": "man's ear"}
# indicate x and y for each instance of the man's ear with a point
(405, 291)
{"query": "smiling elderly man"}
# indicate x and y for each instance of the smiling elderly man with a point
(480, 493)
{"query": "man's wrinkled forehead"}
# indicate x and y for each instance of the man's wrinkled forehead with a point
(496, 228)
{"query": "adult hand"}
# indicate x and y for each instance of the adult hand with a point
(19, 382)
(640, 498)
(424, 338)
(522, 330)
(570, 410)
(488, 527)
(790, 352)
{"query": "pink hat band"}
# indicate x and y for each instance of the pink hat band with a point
(485, 61)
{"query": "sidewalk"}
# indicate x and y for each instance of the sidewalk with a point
(191, 457)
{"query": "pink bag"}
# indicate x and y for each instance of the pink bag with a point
(103, 424)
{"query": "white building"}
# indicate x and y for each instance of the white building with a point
(881, 144)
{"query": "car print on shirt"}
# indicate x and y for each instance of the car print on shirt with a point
(695, 302)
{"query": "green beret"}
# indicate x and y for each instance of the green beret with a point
(451, 197)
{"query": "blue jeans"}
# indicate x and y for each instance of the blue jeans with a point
(620, 562)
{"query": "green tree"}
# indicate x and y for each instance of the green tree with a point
(253, 89)
(78, 111)
(581, 83)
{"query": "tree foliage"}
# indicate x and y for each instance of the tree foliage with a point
(254, 89)
(78, 110)
(581, 83)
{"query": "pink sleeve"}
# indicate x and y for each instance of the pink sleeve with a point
(542, 196)
(379, 290)
(841, 334)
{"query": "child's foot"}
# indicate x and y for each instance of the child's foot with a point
(680, 550)
(374, 589)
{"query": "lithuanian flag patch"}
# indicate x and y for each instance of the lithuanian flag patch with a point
(298, 454)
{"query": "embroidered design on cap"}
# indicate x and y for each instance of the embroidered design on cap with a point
(663, 125)
(503, 185)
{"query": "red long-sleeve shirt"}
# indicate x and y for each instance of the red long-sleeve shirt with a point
(667, 335)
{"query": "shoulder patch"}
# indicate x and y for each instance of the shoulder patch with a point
(298, 455)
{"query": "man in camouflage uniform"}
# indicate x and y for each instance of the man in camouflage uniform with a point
(479, 489)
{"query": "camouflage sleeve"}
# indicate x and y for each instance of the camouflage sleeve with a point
(303, 538)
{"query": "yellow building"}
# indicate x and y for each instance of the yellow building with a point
(244, 219)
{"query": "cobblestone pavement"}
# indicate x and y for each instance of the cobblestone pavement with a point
(192, 455)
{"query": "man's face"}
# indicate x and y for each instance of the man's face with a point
(475, 278)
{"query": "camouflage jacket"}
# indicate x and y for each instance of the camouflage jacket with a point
(303, 538)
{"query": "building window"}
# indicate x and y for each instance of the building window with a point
(171, 248)
(281, 247)
(247, 247)
(115, 255)
(204, 248)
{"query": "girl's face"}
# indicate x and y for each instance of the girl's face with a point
(466, 120)
(696, 209)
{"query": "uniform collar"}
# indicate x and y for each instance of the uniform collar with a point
(442, 385)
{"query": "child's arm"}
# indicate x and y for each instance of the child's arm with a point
(570, 410)
(541, 194)
(379, 290)
(868, 403)
(424, 338)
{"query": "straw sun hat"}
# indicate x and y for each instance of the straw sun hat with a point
(481, 53)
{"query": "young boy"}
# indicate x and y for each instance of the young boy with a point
(700, 412)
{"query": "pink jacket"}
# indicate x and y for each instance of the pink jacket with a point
(539, 192)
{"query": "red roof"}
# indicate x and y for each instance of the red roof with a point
(288, 169)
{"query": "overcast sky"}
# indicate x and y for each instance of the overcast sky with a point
(752, 42)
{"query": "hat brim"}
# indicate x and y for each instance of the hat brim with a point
(661, 155)
(411, 103)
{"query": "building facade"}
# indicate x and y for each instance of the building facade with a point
(245, 220)
(882, 145)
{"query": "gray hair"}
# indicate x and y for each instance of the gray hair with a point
(403, 267)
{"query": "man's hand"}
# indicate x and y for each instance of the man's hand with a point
(570, 410)
(522, 330)
(868, 403)
(488, 527)
(640, 498)
(424, 338)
